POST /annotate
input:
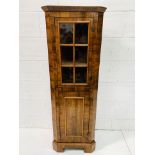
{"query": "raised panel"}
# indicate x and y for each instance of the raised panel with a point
(74, 111)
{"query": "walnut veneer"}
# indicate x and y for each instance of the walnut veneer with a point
(74, 36)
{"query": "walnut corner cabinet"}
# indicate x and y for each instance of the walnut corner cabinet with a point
(74, 37)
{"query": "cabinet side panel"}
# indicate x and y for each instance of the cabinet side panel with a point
(53, 73)
(97, 35)
(98, 19)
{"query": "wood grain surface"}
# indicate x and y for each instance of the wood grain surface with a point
(74, 103)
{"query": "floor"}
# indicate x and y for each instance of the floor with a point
(35, 141)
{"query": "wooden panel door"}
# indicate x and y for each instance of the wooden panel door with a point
(74, 115)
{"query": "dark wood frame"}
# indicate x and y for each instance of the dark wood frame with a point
(79, 98)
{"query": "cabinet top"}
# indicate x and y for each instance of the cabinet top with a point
(52, 8)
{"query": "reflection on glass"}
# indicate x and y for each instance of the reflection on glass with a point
(66, 55)
(80, 55)
(67, 74)
(80, 75)
(81, 33)
(66, 33)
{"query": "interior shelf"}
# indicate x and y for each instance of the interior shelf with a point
(73, 44)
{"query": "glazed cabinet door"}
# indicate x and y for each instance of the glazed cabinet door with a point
(74, 48)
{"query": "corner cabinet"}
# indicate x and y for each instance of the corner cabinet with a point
(74, 40)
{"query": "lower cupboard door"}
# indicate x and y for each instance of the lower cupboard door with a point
(74, 115)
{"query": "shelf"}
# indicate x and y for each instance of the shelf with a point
(81, 65)
(74, 84)
(72, 65)
(67, 64)
(73, 44)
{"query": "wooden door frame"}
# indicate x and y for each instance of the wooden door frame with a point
(59, 20)
(87, 102)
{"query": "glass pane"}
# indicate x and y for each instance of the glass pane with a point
(67, 74)
(80, 55)
(66, 55)
(66, 33)
(80, 75)
(81, 33)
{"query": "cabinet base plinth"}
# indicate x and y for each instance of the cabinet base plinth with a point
(61, 146)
